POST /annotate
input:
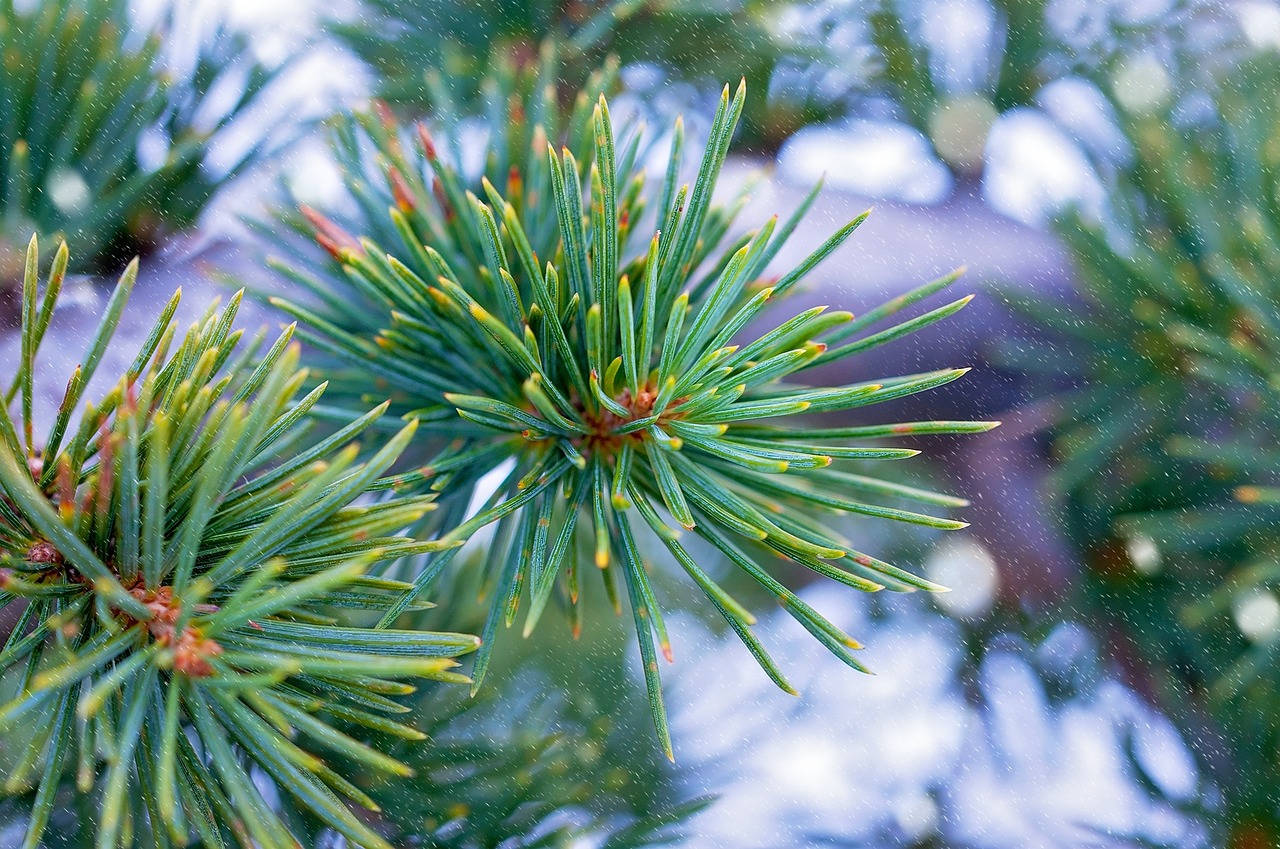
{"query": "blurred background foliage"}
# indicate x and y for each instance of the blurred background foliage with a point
(949, 70)
(107, 131)
(413, 45)
(1155, 402)
(1166, 442)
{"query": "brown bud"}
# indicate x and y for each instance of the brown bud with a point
(43, 552)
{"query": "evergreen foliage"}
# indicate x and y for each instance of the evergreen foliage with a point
(82, 88)
(416, 45)
(903, 56)
(555, 345)
(524, 109)
(816, 59)
(566, 774)
(1023, 46)
(585, 338)
(1169, 344)
(558, 777)
(189, 584)
(1167, 441)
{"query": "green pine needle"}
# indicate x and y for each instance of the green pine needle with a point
(1167, 441)
(605, 353)
(81, 90)
(179, 589)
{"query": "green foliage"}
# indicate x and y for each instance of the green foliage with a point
(953, 98)
(556, 750)
(526, 110)
(911, 70)
(593, 360)
(1176, 316)
(81, 90)
(816, 59)
(188, 584)
(417, 42)
(555, 778)
(1167, 444)
(560, 776)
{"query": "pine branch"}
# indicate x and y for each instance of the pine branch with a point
(591, 335)
(178, 588)
(1021, 49)
(1168, 440)
(456, 47)
(555, 779)
(82, 90)
(552, 779)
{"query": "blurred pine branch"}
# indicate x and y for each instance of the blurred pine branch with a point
(684, 41)
(1166, 437)
(102, 141)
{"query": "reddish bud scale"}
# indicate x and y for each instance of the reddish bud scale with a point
(427, 142)
(385, 115)
(66, 486)
(400, 190)
(437, 189)
(388, 120)
(329, 235)
(330, 246)
(43, 552)
(191, 649)
(515, 184)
